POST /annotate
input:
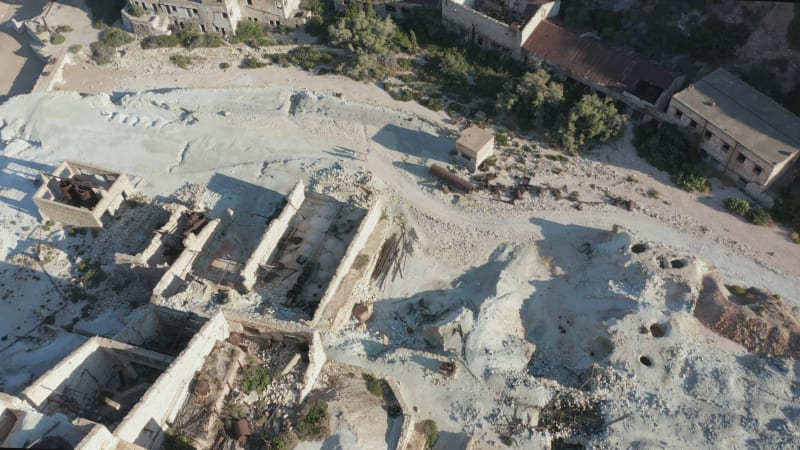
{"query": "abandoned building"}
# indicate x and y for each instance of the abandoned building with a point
(743, 133)
(81, 195)
(502, 25)
(473, 147)
(397, 9)
(613, 71)
(210, 16)
(286, 256)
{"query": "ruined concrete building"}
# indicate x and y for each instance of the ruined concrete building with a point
(473, 147)
(153, 17)
(743, 133)
(81, 195)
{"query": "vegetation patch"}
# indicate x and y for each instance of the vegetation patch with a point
(177, 441)
(668, 149)
(181, 61)
(374, 385)
(312, 424)
(256, 378)
(57, 39)
(91, 274)
(308, 58)
(431, 432)
(741, 207)
(75, 48)
(252, 62)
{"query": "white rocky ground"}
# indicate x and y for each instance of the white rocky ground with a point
(550, 290)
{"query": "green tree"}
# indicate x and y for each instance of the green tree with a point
(532, 96)
(368, 37)
(590, 121)
(453, 66)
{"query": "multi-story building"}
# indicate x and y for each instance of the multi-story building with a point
(744, 133)
(220, 16)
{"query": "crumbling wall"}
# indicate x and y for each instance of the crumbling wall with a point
(157, 245)
(38, 392)
(193, 245)
(269, 241)
(160, 404)
(407, 429)
(360, 238)
(476, 23)
(316, 360)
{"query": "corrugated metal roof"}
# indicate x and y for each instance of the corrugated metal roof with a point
(612, 67)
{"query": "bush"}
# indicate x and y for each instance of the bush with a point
(374, 385)
(738, 206)
(252, 62)
(502, 139)
(308, 57)
(190, 37)
(137, 11)
(177, 441)
(736, 289)
(246, 31)
(115, 37)
(161, 41)
(181, 61)
(284, 441)
(224, 65)
(590, 121)
(91, 274)
(102, 54)
(63, 29)
(256, 378)
(317, 26)
(691, 182)
(759, 216)
(431, 433)
(405, 63)
(313, 424)
(75, 48)
(57, 39)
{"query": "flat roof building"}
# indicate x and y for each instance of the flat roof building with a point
(743, 132)
(473, 146)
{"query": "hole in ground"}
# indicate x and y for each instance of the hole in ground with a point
(639, 248)
(679, 263)
(658, 330)
(645, 360)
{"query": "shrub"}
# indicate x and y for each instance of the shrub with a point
(738, 206)
(308, 57)
(434, 104)
(573, 196)
(405, 63)
(177, 441)
(759, 216)
(590, 121)
(224, 65)
(75, 48)
(164, 40)
(246, 31)
(57, 39)
(736, 289)
(252, 62)
(98, 24)
(313, 424)
(691, 182)
(181, 61)
(50, 320)
(374, 385)
(431, 433)
(115, 37)
(256, 378)
(63, 29)
(284, 441)
(502, 139)
(102, 54)
(91, 274)
(137, 11)
(652, 193)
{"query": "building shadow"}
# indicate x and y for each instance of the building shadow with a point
(30, 70)
(415, 142)
(20, 182)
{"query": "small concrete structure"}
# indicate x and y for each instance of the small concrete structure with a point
(744, 133)
(80, 194)
(474, 146)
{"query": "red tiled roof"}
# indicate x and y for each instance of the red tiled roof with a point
(594, 60)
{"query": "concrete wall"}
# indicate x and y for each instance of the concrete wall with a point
(161, 403)
(471, 158)
(269, 241)
(479, 26)
(183, 264)
(98, 437)
(360, 238)
(316, 361)
(271, 12)
(409, 419)
(209, 15)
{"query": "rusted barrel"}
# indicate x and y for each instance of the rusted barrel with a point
(450, 178)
